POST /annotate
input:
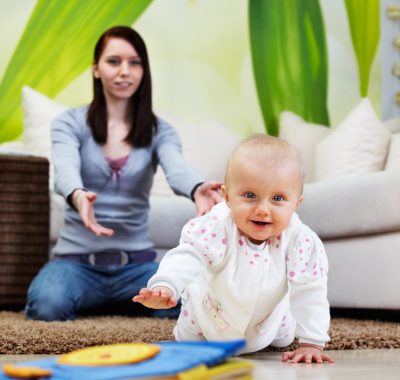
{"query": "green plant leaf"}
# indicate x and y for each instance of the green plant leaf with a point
(289, 55)
(56, 47)
(363, 16)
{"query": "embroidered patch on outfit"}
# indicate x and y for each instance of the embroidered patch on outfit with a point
(213, 309)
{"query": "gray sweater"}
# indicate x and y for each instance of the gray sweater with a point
(123, 205)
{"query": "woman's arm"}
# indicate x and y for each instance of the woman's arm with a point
(68, 133)
(206, 195)
(183, 179)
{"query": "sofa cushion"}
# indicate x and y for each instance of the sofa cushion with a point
(39, 112)
(393, 124)
(206, 147)
(325, 209)
(349, 206)
(304, 137)
(13, 147)
(358, 145)
(393, 158)
(167, 217)
(363, 272)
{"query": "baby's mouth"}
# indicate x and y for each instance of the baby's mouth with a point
(258, 223)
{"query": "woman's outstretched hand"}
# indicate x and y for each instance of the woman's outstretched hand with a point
(206, 196)
(160, 297)
(83, 201)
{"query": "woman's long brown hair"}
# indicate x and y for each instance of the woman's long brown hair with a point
(140, 104)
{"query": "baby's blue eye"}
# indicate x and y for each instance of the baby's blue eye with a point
(249, 195)
(278, 198)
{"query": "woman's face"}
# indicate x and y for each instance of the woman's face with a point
(119, 69)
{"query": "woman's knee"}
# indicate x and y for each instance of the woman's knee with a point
(48, 312)
(49, 296)
(49, 305)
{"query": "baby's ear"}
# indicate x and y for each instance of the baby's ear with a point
(300, 201)
(225, 194)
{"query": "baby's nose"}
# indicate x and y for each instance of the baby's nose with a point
(262, 208)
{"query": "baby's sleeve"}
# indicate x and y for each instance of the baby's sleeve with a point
(307, 269)
(207, 237)
(306, 259)
(202, 243)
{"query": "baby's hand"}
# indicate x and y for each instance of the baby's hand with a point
(307, 354)
(159, 297)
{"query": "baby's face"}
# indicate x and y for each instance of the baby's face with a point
(262, 198)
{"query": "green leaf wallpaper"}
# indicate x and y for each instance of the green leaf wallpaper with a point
(56, 46)
(238, 63)
(363, 18)
(290, 59)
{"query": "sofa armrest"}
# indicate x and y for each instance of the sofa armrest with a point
(167, 217)
(353, 205)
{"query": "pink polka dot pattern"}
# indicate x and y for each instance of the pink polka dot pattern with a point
(306, 259)
(206, 236)
(253, 257)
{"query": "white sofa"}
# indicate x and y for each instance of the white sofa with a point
(354, 205)
(355, 214)
(357, 218)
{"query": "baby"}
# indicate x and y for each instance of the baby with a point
(250, 268)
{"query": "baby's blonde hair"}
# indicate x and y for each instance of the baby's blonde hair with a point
(262, 148)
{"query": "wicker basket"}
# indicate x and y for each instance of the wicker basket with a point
(24, 224)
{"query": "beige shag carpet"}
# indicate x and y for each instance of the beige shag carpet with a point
(18, 336)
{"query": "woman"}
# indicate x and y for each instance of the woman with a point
(105, 156)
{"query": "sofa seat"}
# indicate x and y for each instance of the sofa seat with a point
(357, 219)
(351, 206)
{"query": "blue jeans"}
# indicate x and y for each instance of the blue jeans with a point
(64, 289)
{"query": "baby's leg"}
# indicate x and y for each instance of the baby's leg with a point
(187, 327)
(285, 335)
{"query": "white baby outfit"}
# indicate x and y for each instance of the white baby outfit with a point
(231, 288)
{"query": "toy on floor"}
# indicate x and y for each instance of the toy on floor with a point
(26, 372)
(165, 360)
(110, 355)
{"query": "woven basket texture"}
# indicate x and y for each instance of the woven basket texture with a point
(24, 224)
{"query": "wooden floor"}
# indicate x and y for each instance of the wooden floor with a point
(349, 365)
